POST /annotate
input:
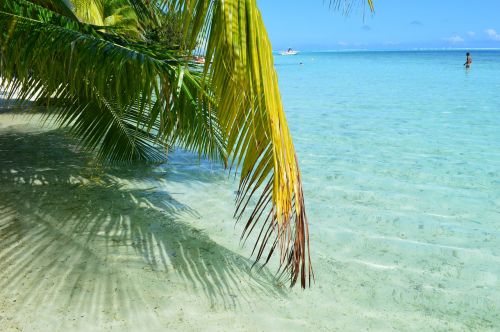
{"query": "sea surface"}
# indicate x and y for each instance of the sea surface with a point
(400, 160)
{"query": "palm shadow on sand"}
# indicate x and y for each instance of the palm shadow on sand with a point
(66, 235)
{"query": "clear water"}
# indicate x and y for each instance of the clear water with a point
(401, 159)
(400, 155)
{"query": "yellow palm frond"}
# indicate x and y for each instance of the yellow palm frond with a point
(89, 11)
(241, 74)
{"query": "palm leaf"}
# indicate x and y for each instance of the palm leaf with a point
(347, 6)
(92, 76)
(241, 72)
(89, 11)
(62, 7)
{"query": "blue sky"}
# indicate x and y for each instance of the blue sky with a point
(396, 24)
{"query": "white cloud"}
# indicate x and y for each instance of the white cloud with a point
(471, 33)
(454, 39)
(343, 43)
(492, 34)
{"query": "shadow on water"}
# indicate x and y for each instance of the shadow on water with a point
(71, 234)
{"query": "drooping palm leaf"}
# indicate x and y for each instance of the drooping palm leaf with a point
(93, 75)
(241, 70)
(240, 67)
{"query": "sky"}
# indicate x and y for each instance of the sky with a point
(395, 24)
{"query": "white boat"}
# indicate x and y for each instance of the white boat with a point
(289, 52)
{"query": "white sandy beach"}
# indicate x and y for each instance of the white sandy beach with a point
(83, 249)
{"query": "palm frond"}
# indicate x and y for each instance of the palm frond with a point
(346, 6)
(122, 18)
(146, 10)
(89, 11)
(241, 72)
(62, 7)
(92, 76)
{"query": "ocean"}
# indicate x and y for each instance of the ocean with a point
(400, 154)
(400, 160)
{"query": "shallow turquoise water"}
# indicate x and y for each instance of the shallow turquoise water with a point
(399, 144)
(400, 154)
(400, 158)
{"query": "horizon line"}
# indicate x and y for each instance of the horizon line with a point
(396, 50)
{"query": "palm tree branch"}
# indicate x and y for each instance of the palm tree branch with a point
(65, 62)
(241, 72)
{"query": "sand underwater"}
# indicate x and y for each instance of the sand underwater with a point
(405, 238)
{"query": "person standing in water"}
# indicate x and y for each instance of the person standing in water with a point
(468, 61)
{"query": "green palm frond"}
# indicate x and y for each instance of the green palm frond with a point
(27, 9)
(92, 78)
(122, 17)
(146, 10)
(62, 7)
